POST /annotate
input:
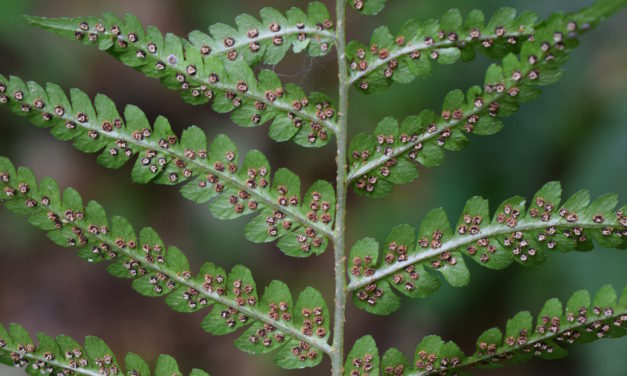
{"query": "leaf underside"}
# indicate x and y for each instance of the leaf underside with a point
(408, 54)
(368, 7)
(63, 355)
(217, 68)
(298, 331)
(581, 321)
(516, 233)
(211, 174)
(392, 153)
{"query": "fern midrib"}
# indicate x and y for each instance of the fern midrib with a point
(411, 47)
(458, 241)
(425, 136)
(205, 168)
(284, 107)
(53, 363)
(276, 104)
(473, 360)
(264, 35)
(258, 315)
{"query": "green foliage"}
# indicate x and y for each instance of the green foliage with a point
(217, 68)
(222, 67)
(515, 234)
(300, 335)
(582, 321)
(390, 155)
(211, 173)
(64, 356)
(409, 54)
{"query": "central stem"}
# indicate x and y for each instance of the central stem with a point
(337, 355)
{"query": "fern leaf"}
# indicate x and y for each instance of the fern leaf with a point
(368, 7)
(389, 156)
(409, 54)
(302, 226)
(253, 40)
(515, 233)
(65, 356)
(299, 332)
(583, 320)
(216, 69)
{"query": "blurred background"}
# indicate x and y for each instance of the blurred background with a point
(576, 133)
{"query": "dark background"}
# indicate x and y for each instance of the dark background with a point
(574, 133)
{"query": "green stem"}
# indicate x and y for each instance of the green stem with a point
(337, 355)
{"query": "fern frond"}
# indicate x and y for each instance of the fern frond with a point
(302, 226)
(409, 54)
(266, 41)
(65, 356)
(368, 7)
(389, 156)
(200, 73)
(514, 234)
(299, 332)
(583, 320)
